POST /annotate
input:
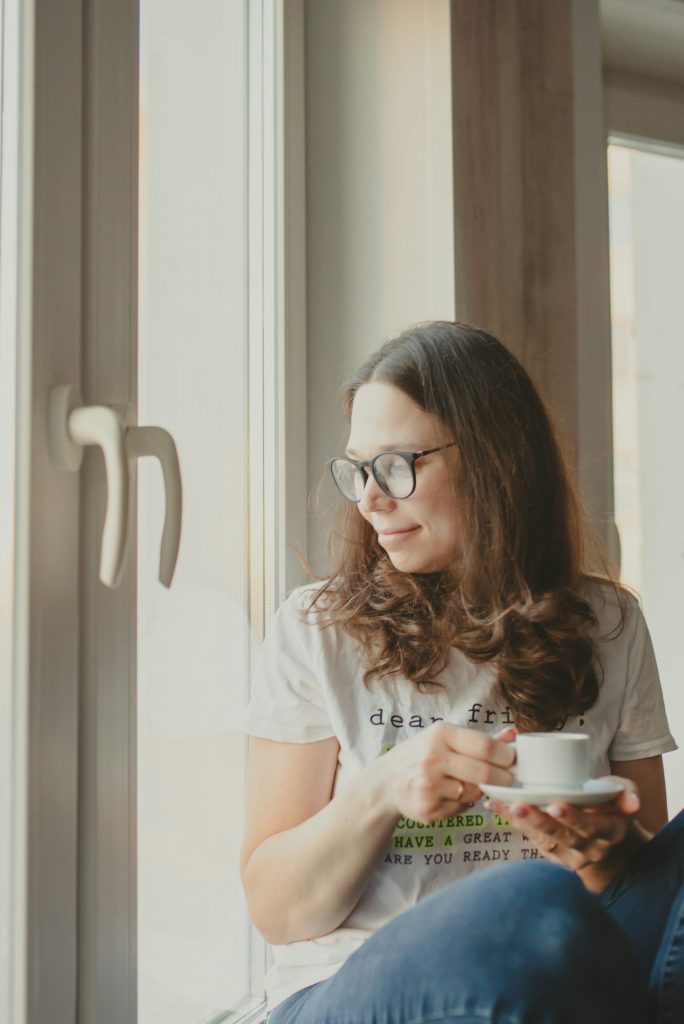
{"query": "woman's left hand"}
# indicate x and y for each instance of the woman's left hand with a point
(580, 837)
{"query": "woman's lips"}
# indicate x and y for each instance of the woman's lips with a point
(390, 537)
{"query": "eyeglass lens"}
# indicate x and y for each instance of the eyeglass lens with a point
(392, 472)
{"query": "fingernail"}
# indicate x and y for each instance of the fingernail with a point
(487, 804)
(556, 811)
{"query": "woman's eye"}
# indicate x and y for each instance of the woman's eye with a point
(398, 467)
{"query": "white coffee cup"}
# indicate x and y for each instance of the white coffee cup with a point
(557, 760)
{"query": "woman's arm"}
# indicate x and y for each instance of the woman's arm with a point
(649, 778)
(306, 858)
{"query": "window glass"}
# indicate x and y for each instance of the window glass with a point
(196, 958)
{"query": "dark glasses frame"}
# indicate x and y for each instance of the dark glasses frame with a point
(367, 467)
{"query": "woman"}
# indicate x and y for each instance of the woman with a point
(458, 611)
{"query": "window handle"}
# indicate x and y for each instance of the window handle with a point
(156, 441)
(72, 426)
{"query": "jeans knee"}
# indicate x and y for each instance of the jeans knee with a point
(552, 902)
(565, 938)
(539, 912)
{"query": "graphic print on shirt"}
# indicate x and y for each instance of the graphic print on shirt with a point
(472, 836)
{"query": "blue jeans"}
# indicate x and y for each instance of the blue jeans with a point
(522, 943)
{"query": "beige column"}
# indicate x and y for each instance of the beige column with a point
(531, 210)
(514, 184)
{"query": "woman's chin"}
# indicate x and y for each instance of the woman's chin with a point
(412, 563)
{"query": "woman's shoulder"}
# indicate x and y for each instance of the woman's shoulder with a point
(309, 605)
(307, 601)
(304, 622)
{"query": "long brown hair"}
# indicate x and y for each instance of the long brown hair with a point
(517, 598)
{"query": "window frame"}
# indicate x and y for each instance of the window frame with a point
(277, 448)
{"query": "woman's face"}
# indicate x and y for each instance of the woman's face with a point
(419, 533)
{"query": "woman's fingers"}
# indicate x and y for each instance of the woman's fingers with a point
(460, 792)
(607, 821)
(449, 796)
(627, 802)
(587, 826)
(475, 744)
(506, 735)
(565, 825)
(572, 836)
(556, 841)
(470, 769)
(474, 756)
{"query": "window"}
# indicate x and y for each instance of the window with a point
(646, 186)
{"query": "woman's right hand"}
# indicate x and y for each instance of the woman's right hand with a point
(439, 772)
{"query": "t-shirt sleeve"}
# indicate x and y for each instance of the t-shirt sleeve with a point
(287, 702)
(643, 730)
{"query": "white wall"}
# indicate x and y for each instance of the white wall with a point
(379, 194)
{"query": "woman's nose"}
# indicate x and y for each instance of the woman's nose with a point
(373, 497)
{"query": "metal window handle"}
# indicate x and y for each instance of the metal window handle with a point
(71, 427)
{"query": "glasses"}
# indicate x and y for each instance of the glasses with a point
(393, 472)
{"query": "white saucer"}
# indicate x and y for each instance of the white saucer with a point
(594, 791)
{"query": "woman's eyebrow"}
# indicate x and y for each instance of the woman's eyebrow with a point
(405, 446)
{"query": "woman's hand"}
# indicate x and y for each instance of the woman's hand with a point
(439, 772)
(595, 841)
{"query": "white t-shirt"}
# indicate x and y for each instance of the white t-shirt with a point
(309, 686)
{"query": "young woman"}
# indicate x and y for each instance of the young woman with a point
(458, 611)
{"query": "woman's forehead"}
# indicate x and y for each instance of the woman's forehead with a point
(383, 407)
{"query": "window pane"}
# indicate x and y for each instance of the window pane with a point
(194, 639)
(647, 255)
